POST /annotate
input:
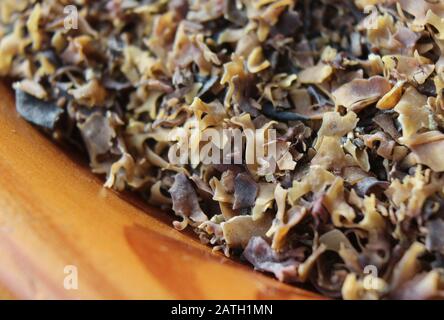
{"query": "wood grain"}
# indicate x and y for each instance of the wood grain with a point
(54, 213)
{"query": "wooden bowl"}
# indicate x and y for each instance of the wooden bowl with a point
(58, 225)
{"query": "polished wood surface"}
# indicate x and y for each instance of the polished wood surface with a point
(54, 213)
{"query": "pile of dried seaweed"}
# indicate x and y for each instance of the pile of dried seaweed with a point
(354, 200)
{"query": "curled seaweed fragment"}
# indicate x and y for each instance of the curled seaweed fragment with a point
(245, 191)
(434, 240)
(42, 113)
(284, 116)
(263, 258)
(185, 201)
(361, 93)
